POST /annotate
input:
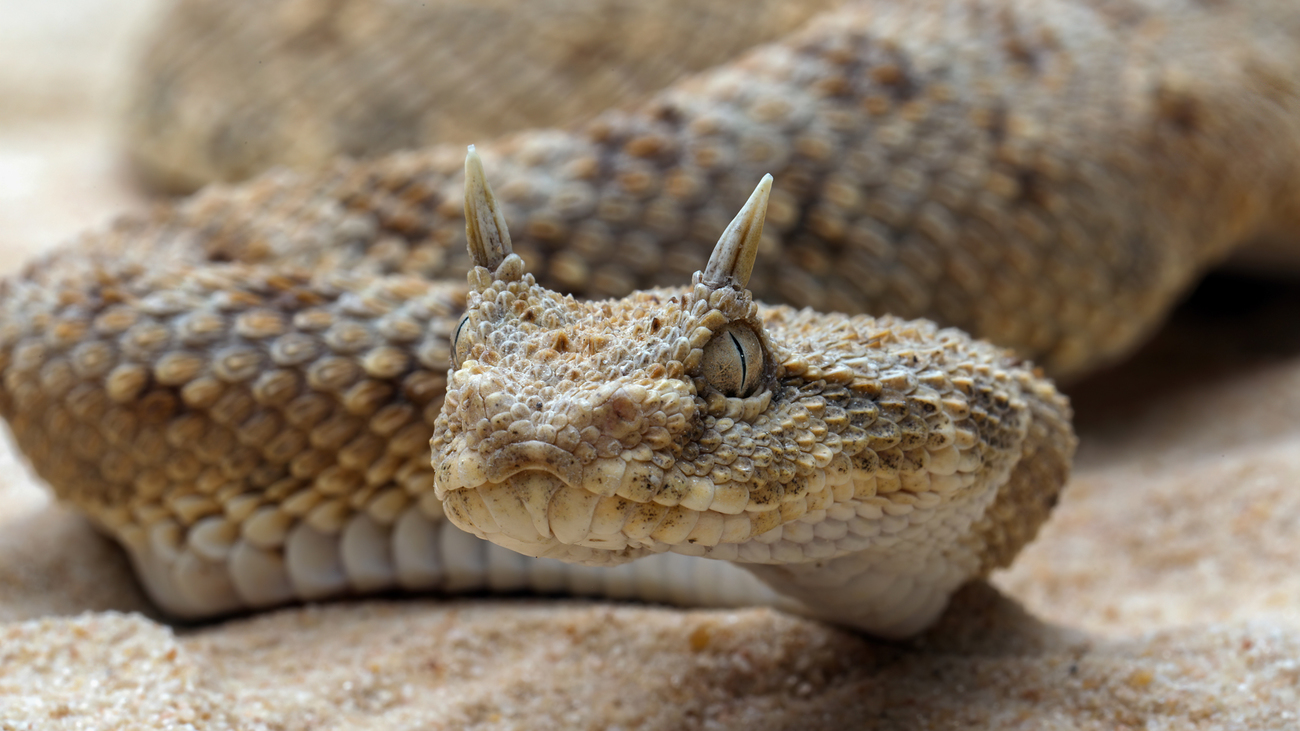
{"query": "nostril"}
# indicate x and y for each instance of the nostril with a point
(623, 406)
(619, 416)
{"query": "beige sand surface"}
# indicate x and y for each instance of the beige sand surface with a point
(1162, 594)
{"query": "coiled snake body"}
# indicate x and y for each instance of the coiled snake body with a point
(243, 388)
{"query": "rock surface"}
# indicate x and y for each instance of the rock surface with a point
(1161, 595)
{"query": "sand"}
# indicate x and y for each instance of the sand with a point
(1162, 594)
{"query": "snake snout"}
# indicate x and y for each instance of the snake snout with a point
(507, 496)
(534, 456)
(511, 513)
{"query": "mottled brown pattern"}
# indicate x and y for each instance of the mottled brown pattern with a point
(228, 89)
(223, 421)
(1049, 175)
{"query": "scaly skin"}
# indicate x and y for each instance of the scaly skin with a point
(227, 89)
(867, 469)
(253, 438)
(209, 378)
(1050, 176)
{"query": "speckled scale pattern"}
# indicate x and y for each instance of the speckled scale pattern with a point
(255, 434)
(228, 89)
(1050, 176)
(870, 476)
(1046, 174)
(213, 382)
(255, 438)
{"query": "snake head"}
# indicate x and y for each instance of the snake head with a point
(577, 429)
(864, 466)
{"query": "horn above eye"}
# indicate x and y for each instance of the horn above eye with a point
(486, 235)
(733, 361)
(733, 256)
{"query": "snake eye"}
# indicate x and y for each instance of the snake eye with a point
(459, 345)
(733, 361)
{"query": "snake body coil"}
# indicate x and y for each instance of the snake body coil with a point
(242, 387)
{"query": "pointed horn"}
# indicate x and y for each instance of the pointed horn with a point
(486, 235)
(733, 257)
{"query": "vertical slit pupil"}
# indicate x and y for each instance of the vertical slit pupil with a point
(455, 338)
(744, 367)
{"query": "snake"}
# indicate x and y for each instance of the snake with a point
(335, 382)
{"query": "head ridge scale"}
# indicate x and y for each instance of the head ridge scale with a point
(555, 405)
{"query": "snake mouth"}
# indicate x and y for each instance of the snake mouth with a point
(536, 513)
(514, 465)
(524, 494)
(533, 457)
(536, 498)
(516, 508)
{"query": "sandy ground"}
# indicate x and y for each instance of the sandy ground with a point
(1162, 594)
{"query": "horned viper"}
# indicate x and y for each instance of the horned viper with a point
(242, 387)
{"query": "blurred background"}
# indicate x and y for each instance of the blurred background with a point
(62, 71)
